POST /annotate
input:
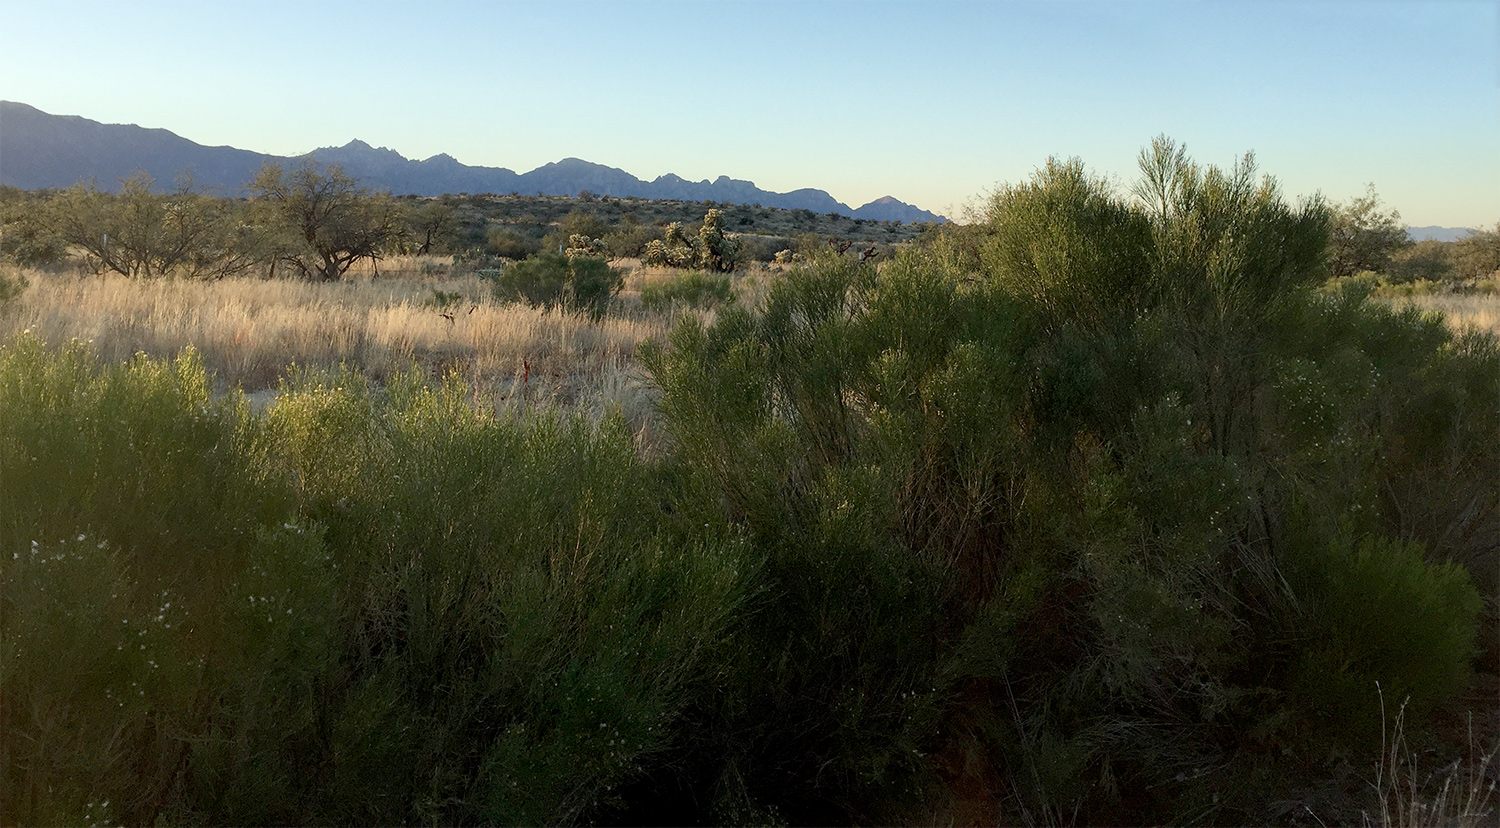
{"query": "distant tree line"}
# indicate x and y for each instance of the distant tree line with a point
(1365, 237)
(311, 220)
(317, 222)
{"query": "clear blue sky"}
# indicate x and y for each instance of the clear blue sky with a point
(932, 102)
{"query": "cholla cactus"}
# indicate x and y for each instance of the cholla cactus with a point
(581, 245)
(655, 253)
(675, 250)
(784, 256)
(715, 250)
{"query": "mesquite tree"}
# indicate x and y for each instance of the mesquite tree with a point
(141, 233)
(325, 222)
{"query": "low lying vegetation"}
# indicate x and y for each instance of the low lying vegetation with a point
(1099, 510)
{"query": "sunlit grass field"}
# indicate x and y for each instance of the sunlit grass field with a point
(249, 330)
(1462, 310)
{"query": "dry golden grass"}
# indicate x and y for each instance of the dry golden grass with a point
(1471, 310)
(249, 330)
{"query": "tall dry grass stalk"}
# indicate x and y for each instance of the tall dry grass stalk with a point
(250, 330)
(1459, 794)
(1472, 310)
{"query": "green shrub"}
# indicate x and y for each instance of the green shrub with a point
(27, 238)
(579, 282)
(1125, 552)
(630, 237)
(369, 606)
(522, 642)
(1429, 261)
(588, 225)
(1065, 244)
(1377, 620)
(509, 244)
(164, 616)
(1074, 436)
(694, 289)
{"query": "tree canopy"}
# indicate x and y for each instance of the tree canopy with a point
(326, 221)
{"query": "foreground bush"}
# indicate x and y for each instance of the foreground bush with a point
(1153, 506)
(1092, 511)
(363, 608)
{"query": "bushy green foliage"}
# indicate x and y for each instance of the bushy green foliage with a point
(585, 224)
(1376, 619)
(578, 282)
(364, 607)
(163, 610)
(1088, 428)
(1065, 244)
(508, 244)
(630, 237)
(27, 238)
(1477, 256)
(1431, 261)
(142, 233)
(694, 289)
(522, 640)
(1099, 504)
(1364, 237)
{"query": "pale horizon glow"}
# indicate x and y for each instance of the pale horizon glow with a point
(934, 103)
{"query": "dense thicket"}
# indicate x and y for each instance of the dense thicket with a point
(1097, 511)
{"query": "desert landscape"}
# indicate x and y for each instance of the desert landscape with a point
(1116, 484)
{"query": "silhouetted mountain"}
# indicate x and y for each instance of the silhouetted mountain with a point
(885, 208)
(38, 150)
(1437, 233)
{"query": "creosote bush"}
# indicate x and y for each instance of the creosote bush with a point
(1097, 510)
(361, 607)
(574, 280)
(1151, 502)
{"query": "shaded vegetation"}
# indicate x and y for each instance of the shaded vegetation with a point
(1099, 510)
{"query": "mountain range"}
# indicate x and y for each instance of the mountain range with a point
(40, 150)
(1433, 232)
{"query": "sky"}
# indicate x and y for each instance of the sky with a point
(936, 103)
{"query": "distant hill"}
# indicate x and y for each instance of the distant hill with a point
(39, 150)
(1435, 233)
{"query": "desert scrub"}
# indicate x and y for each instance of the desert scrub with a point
(1378, 619)
(162, 609)
(576, 281)
(368, 605)
(693, 289)
(12, 285)
(521, 639)
(1125, 473)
